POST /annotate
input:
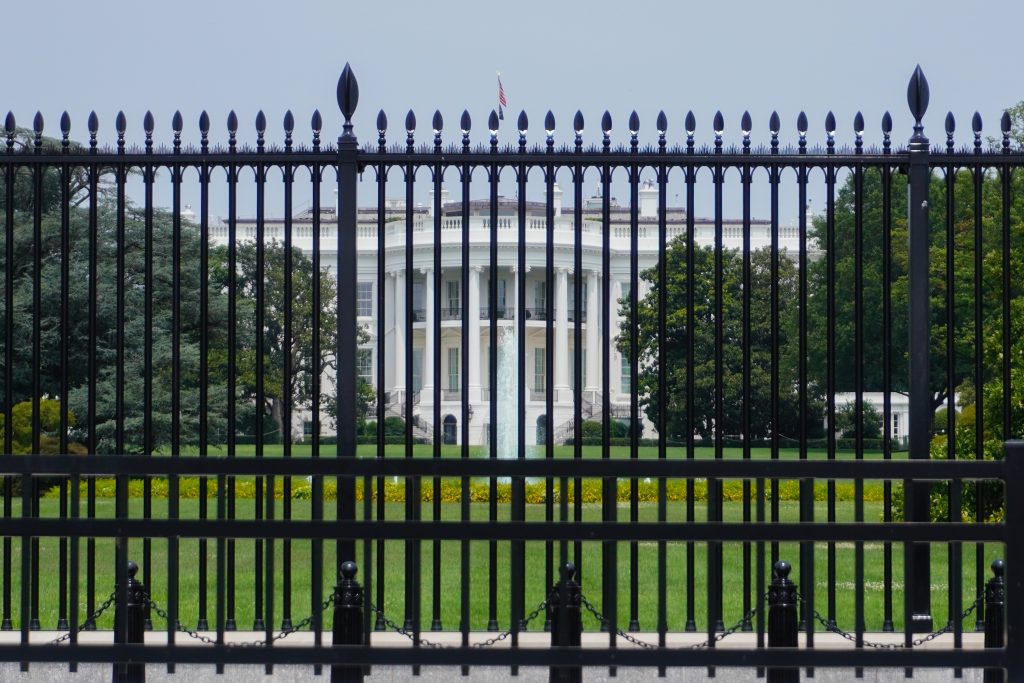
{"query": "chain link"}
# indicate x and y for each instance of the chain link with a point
(917, 642)
(650, 646)
(90, 621)
(195, 635)
(437, 646)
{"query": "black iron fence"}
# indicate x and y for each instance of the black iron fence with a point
(134, 336)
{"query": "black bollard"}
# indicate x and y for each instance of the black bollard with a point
(566, 622)
(129, 627)
(995, 616)
(783, 621)
(348, 621)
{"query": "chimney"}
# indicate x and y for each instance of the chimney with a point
(648, 200)
(557, 199)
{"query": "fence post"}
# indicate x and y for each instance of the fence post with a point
(783, 621)
(566, 622)
(995, 605)
(129, 626)
(919, 283)
(348, 621)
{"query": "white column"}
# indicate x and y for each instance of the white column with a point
(593, 350)
(389, 331)
(427, 393)
(400, 318)
(515, 293)
(473, 360)
(561, 370)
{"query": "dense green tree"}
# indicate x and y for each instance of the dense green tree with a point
(703, 342)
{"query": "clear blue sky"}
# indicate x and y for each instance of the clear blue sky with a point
(728, 55)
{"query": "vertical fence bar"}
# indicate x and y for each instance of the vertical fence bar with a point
(173, 505)
(714, 576)
(1014, 459)
(348, 168)
(954, 552)
(492, 507)
(830, 361)
(746, 176)
(978, 177)
(472, 365)
(691, 179)
(148, 178)
(634, 443)
(662, 296)
(583, 305)
(93, 363)
(10, 170)
(552, 308)
(858, 375)
(382, 303)
(259, 287)
(438, 178)
(288, 177)
(65, 353)
(317, 502)
(609, 554)
(774, 178)
(919, 174)
(203, 623)
(37, 342)
(231, 623)
(887, 430)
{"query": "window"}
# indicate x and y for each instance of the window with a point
(895, 425)
(364, 299)
(453, 296)
(307, 427)
(539, 297)
(453, 368)
(364, 364)
(417, 369)
(626, 290)
(538, 369)
(626, 375)
(578, 311)
(418, 303)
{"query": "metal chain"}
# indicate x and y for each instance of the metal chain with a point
(502, 636)
(650, 646)
(195, 635)
(917, 642)
(90, 621)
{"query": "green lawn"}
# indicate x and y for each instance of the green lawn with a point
(452, 583)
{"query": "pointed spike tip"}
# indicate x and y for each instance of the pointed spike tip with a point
(774, 123)
(524, 122)
(176, 122)
(9, 123)
(348, 92)
(886, 122)
(634, 122)
(65, 123)
(466, 122)
(662, 122)
(691, 123)
(492, 120)
(438, 121)
(382, 120)
(719, 123)
(232, 121)
(746, 125)
(410, 120)
(549, 121)
(204, 122)
(261, 121)
(148, 123)
(289, 121)
(976, 122)
(917, 94)
(830, 123)
(858, 123)
(801, 122)
(121, 123)
(37, 122)
(577, 122)
(1005, 122)
(606, 122)
(316, 122)
(94, 122)
(950, 122)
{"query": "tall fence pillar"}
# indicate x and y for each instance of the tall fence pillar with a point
(918, 567)
(130, 626)
(1013, 583)
(566, 622)
(348, 621)
(783, 621)
(995, 616)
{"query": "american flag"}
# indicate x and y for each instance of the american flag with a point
(502, 102)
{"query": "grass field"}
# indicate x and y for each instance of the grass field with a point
(476, 587)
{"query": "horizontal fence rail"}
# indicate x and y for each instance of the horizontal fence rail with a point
(466, 380)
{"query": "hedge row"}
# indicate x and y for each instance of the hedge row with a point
(479, 492)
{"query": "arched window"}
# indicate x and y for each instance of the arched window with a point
(451, 430)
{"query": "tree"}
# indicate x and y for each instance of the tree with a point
(703, 343)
